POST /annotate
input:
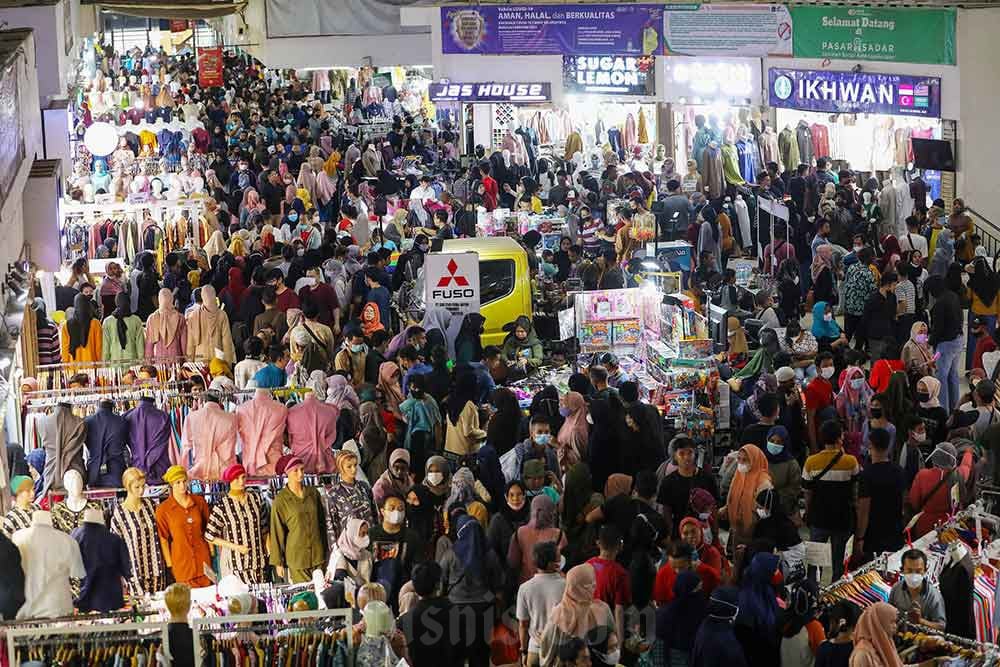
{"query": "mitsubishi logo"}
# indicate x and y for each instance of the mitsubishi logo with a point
(460, 281)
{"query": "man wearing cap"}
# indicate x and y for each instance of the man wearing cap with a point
(22, 488)
(235, 525)
(984, 342)
(180, 523)
(790, 412)
(298, 523)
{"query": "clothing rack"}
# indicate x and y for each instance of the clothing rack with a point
(77, 618)
(206, 627)
(125, 395)
(982, 648)
(880, 563)
(84, 633)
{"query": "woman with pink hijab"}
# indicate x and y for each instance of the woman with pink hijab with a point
(166, 329)
(576, 615)
(873, 645)
(571, 441)
(307, 182)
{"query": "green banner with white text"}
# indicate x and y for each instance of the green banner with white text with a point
(868, 33)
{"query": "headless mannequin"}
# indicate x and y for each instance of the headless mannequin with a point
(48, 570)
(107, 563)
(262, 423)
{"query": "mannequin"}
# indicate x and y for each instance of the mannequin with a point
(312, 430)
(100, 179)
(123, 158)
(731, 162)
(106, 561)
(122, 335)
(166, 329)
(107, 434)
(208, 442)
(956, 583)
(904, 205)
(235, 524)
(149, 439)
(156, 185)
(49, 558)
(62, 434)
(297, 525)
(692, 181)
(887, 204)
(67, 514)
(208, 329)
(135, 521)
(19, 516)
(349, 498)
(261, 423)
(702, 137)
(180, 522)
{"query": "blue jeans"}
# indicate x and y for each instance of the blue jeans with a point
(947, 371)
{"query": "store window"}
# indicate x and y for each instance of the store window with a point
(496, 279)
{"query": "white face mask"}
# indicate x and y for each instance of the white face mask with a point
(763, 513)
(828, 317)
(435, 478)
(395, 517)
(612, 657)
(743, 468)
(857, 383)
(827, 372)
(796, 280)
(914, 580)
(707, 534)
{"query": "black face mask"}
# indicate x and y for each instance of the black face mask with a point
(876, 413)
(923, 396)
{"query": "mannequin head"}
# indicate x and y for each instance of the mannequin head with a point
(699, 121)
(347, 464)
(24, 491)
(177, 478)
(178, 600)
(100, 168)
(73, 483)
(134, 481)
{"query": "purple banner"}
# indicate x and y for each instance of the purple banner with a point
(630, 30)
(850, 92)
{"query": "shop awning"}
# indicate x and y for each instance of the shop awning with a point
(175, 9)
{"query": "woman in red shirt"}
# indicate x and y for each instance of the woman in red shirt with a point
(932, 496)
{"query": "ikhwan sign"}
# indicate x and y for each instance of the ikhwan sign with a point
(855, 92)
(609, 75)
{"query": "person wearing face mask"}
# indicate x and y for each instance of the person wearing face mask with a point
(396, 480)
(929, 409)
(931, 491)
(852, 407)
(751, 478)
(776, 528)
(352, 559)
(395, 546)
(916, 597)
(539, 445)
(785, 472)
(917, 355)
(878, 421)
(715, 644)
(819, 399)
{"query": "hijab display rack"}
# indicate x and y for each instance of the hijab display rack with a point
(123, 636)
(274, 628)
(111, 373)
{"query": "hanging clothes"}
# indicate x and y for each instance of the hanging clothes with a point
(138, 529)
(643, 132)
(788, 149)
(713, 172)
(731, 165)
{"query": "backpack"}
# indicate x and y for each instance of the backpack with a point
(314, 355)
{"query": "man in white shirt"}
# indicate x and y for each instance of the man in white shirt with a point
(913, 239)
(424, 192)
(536, 597)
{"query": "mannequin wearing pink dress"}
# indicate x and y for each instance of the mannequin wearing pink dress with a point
(166, 330)
(208, 441)
(312, 430)
(261, 426)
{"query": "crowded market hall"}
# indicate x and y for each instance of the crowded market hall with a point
(415, 334)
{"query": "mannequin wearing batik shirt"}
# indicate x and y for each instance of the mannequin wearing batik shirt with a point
(208, 330)
(134, 520)
(149, 439)
(19, 516)
(166, 329)
(208, 442)
(62, 435)
(312, 430)
(261, 423)
(67, 514)
(107, 434)
(349, 497)
(236, 525)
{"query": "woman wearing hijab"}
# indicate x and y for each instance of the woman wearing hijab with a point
(352, 558)
(437, 478)
(677, 622)
(738, 348)
(930, 410)
(111, 285)
(891, 254)
(932, 497)
(232, 294)
(824, 282)
(984, 289)
(504, 426)
(825, 328)
(605, 445)
(777, 530)
(944, 254)
(572, 437)
(750, 479)
(425, 519)
(435, 323)
(121, 333)
(339, 392)
(578, 614)
(917, 354)
(540, 528)
(784, 470)
(81, 333)
(756, 624)
(692, 531)
(873, 645)
(465, 488)
(353, 263)
(578, 500)
(473, 576)
(852, 407)
(514, 512)
(767, 383)
(47, 335)
(216, 245)
(468, 345)
(715, 644)
(374, 441)
(618, 484)
(463, 435)
(389, 379)
(789, 287)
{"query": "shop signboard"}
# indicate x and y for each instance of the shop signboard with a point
(490, 91)
(610, 75)
(854, 92)
(727, 30)
(552, 29)
(210, 66)
(706, 80)
(451, 281)
(874, 33)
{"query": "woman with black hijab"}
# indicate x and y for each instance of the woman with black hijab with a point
(514, 513)
(580, 383)
(122, 333)
(423, 517)
(468, 344)
(148, 287)
(504, 426)
(604, 444)
(983, 287)
(677, 622)
(715, 644)
(81, 336)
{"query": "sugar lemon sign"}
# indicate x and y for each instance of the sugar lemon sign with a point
(868, 33)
